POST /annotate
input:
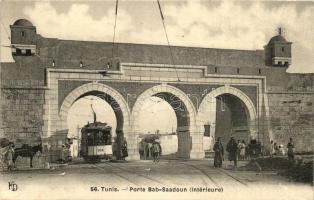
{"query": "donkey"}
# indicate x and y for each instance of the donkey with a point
(27, 151)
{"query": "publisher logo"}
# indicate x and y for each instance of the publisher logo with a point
(12, 186)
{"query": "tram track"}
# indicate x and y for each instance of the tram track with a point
(113, 168)
(233, 177)
(140, 179)
(140, 175)
(115, 173)
(202, 172)
(222, 171)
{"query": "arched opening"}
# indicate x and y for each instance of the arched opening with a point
(159, 121)
(81, 113)
(111, 103)
(185, 118)
(232, 119)
(114, 100)
(227, 111)
(110, 108)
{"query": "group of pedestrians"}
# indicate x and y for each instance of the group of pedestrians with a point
(150, 150)
(234, 149)
(240, 150)
(279, 150)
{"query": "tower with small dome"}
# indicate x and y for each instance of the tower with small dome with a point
(278, 51)
(23, 38)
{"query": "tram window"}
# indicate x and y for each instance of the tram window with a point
(98, 138)
(101, 139)
(107, 139)
(90, 139)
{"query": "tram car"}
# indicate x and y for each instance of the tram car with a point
(96, 142)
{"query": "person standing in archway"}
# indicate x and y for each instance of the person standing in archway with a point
(9, 156)
(272, 148)
(124, 149)
(156, 151)
(219, 153)
(232, 148)
(290, 147)
(242, 146)
(141, 149)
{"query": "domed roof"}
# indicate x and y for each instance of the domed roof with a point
(277, 38)
(22, 22)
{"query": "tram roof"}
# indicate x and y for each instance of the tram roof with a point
(96, 126)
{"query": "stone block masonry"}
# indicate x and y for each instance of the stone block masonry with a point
(22, 112)
(292, 115)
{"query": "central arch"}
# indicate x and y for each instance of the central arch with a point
(188, 143)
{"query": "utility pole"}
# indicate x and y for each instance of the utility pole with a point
(1, 121)
(78, 141)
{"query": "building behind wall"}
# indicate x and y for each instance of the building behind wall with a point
(287, 109)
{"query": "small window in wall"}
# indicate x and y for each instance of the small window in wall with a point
(216, 70)
(18, 51)
(23, 33)
(282, 49)
(238, 70)
(28, 52)
(259, 71)
(207, 130)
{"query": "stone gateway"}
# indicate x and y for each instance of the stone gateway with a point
(245, 93)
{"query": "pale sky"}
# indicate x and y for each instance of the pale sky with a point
(213, 24)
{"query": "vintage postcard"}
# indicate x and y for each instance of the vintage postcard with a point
(156, 99)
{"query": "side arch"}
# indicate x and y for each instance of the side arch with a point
(119, 106)
(208, 108)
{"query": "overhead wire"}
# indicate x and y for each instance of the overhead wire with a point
(7, 33)
(166, 34)
(114, 28)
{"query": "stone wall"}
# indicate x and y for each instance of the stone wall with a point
(292, 115)
(22, 111)
(68, 54)
(291, 106)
